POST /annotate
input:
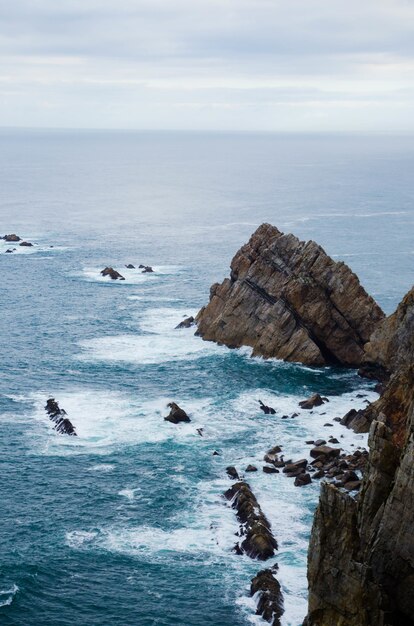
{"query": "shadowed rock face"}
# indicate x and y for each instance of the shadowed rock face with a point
(288, 299)
(361, 553)
(270, 599)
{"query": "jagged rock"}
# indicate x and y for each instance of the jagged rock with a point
(259, 542)
(302, 480)
(232, 473)
(113, 274)
(147, 269)
(62, 424)
(130, 266)
(288, 299)
(270, 470)
(269, 596)
(26, 244)
(251, 468)
(189, 321)
(268, 410)
(12, 238)
(311, 402)
(215, 453)
(9, 251)
(367, 540)
(176, 414)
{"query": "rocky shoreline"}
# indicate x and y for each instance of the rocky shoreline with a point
(287, 299)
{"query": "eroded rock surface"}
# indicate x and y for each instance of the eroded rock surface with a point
(267, 590)
(288, 299)
(176, 414)
(361, 553)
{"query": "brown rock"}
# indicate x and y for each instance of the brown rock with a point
(251, 468)
(325, 451)
(12, 238)
(288, 299)
(270, 598)
(302, 480)
(113, 274)
(189, 321)
(176, 414)
(311, 402)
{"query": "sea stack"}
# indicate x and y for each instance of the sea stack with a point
(361, 552)
(288, 299)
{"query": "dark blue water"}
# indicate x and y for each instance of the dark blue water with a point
(125, 524)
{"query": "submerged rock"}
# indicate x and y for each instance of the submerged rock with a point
(269, 596)
(113, 274)
(288, 299)
(258, 542)
(176, 414)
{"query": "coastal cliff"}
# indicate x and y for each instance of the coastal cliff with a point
(361, 552)
(288, 299)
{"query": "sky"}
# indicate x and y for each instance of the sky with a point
(252, 65)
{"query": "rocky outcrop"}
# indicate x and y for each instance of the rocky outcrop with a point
(12, 238)
(113, 274)
(266, 589)
(186, 323)
(361, 553)
(176, 414)
(288, 299)
(258, 541)
(62, 424)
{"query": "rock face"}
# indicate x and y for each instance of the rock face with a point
(186, 323)
(62, 424)
(269, 595)
(288, 299)
(258, 542)
(361, 553)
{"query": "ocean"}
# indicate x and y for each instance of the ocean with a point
(126, 524)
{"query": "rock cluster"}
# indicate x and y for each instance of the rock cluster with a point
(269, 596)
(288, 299)
(258, 541)
(62, 424)
(361, 553)
(12, 238)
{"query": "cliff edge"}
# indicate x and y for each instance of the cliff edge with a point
(361, 552)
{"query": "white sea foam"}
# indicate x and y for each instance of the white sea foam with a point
(35, 249)
(160, 343)
(7, 595)
(102, 467)
(132, 277)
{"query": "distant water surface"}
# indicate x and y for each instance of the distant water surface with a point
(125, 524)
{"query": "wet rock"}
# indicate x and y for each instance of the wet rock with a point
(295, 468)
(311, 402)
(352, 485)
(325, 451)
(62, 424)
(186, 323)
(147, 269)
(130, 266)
(310, 442)
(113, 274)
(176, 414)
(320, 442)
(215, 453)
(268, 410)
(9, 251)
(302, 480)
(258, 542)
(26, 244)
(333, 440)
(270, 470)
(200, 431)
(328, 425)
(232, 473)
(272, 455)
(12, 238)
(287, 299)
(269, 595)
(251, 468)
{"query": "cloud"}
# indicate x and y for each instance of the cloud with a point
(187, 64)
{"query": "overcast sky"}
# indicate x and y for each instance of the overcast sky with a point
(284, 65)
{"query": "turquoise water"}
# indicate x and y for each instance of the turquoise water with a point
(125, 524)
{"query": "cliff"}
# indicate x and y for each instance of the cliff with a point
(361, 552)
(288, 299)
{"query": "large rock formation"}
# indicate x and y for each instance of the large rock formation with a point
(361, 553)
(288, 299)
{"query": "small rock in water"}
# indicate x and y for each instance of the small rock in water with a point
(215, 453)
(113, 274)
(26, 244)
(12, 238)
(302, 480)
(176, 414)
(270, 470)
(232, 472)
(186, 323)
(251, 468)
(311, 402)
(147, 269)
(268, 410)
(200, 431)
(130, 266)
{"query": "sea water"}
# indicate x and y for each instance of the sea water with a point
(126, 524)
